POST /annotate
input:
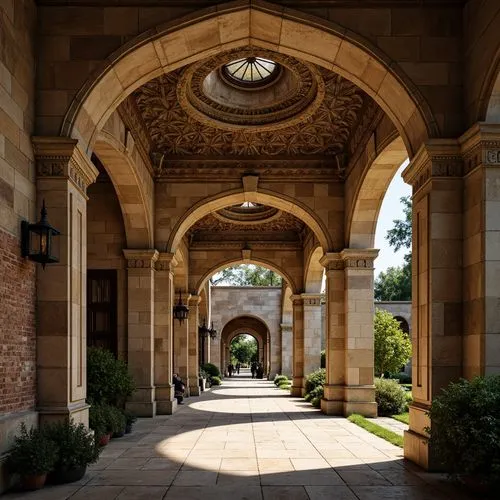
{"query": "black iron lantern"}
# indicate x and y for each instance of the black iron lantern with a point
(37, 240)
(203, 330)
(212, 332)
(181, 311)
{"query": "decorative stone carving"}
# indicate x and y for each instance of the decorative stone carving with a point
(311, 299)
(174, 132)
(166, 262)
(359, 259)
(141, 259)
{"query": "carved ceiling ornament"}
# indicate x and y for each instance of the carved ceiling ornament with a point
(248, 215)
(201, 93)
(173, 132)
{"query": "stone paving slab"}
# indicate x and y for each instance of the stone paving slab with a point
(248, 440)
(391, 424)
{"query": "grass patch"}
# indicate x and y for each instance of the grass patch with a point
(376, 429)
(404, 417)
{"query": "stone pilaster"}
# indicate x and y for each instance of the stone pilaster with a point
(63, 175)
(141, 335)
(359, 392)
(436, 176)
(298, 346)
(166, 404)
(312, 331)
(193, 346)
(333, 399)
(286, 349)
(480, 148)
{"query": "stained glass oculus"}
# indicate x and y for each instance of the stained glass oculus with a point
(251, 70)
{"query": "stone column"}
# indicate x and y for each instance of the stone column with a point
(481, 250)
(359, 392)
(141, 319)
(193, 346)
(333, 399)
(181, 332)
(166, 404)
(298, 346)
(63, 175)
(286, 349)
(312, 332)
(436, 176)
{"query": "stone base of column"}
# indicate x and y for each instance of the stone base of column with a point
(143, 402)
(297, 389)
(166, 404)
(360, 399)
(78, 412)
(194, 390)
(331, 407)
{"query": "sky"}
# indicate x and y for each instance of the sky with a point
(391, 209)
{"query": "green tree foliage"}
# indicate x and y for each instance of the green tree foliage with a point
(395, 283)
(244, 349)
(246, 275)
(392, 345)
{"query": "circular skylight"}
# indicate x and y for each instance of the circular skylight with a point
(251, 71)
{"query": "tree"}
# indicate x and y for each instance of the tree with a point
(246, 275)
(395, 283)
(392, 345)
(244, 349)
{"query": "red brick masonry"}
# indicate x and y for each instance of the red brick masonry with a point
(17, 328)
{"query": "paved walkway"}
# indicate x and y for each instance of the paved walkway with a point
(392, 424)
(249, 440)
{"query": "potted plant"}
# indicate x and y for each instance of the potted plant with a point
(98, 422)
(130, 420)
(116, 422)
(202, 379)
(33, 456)
(76, 448)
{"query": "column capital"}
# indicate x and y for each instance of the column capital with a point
(359, 258)
(332, 261)
(61, 157)
(166, 262)
(141, 259)
(480, 145)
(296, 299)
(435, 158)
(312, 299)
(194, 300)
(286, 327)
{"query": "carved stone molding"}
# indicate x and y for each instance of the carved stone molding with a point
(240, 245)
(286, 327)
(297, 300)
(481, 147)
(312, 299)
(359, 259)
(141, 259)
(61, 157)
(166, 262)
(193, 302)
(332, 261)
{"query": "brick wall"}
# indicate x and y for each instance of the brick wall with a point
(17, 328)
(17, 202)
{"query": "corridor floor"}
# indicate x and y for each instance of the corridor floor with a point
(249, 440)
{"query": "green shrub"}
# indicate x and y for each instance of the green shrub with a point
(216, 381)
(32, 454)
(211, 369)
(76, 446)
(108, 379)
(106, 419)
(316, 396)
(279, 379)
(98, 420)
(323, 359)
(285, 384)
(315, 379)
(403, 377)
(465, 429)
(390, 397)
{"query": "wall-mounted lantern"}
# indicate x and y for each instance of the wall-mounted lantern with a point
(181, 311)
(212, 331)
(203, 330)
(37, 240)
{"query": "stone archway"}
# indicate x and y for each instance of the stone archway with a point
(326, 44)
(250, 325)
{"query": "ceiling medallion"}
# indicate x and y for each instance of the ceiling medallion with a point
(248, 213)
(215, 91)
(251, 73)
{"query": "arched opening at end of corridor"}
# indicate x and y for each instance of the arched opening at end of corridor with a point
(244, 357)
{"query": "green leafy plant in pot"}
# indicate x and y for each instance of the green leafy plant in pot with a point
(33, 456)
(76, 449)
(98, 422)
(130, 420)
(116, 422)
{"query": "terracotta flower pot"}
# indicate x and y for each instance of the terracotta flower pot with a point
(33, 481)
(104, 439)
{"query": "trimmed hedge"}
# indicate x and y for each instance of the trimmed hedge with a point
(390, 397)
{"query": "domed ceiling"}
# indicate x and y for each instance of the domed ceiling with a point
(202, 111)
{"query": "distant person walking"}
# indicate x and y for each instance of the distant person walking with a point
(253, 369)
(238, 367)
(230, 369)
